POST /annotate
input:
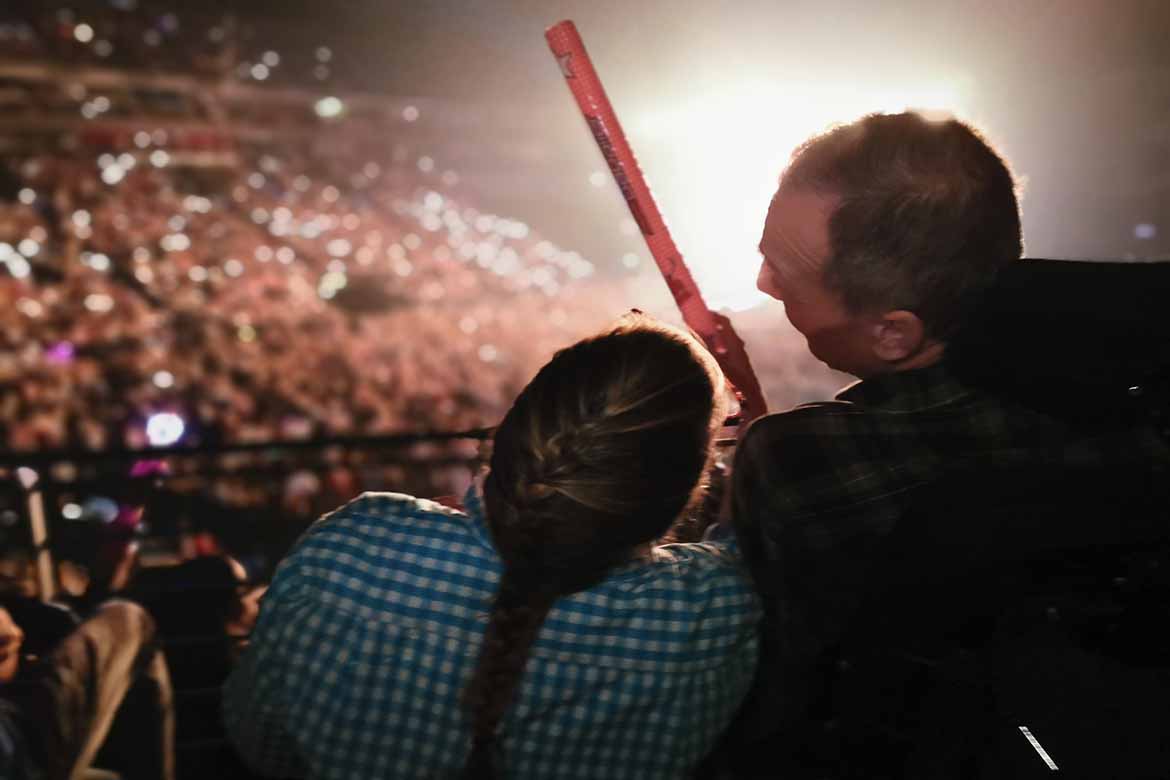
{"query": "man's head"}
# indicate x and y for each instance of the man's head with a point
(883, 234)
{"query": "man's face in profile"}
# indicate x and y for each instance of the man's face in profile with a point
(795, 247)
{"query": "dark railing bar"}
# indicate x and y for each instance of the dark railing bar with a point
(43, 457)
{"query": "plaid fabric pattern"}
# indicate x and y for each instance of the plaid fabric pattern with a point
(372, 627)
(815, 490)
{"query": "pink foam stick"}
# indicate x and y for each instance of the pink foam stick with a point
(580, 75)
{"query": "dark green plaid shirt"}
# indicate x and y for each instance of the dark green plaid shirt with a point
(817, 488)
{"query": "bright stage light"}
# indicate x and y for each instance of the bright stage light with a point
(716, 159)
(164, 429)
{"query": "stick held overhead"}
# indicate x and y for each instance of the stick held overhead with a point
(715, 330)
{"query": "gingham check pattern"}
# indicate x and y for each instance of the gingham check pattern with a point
(373, 625)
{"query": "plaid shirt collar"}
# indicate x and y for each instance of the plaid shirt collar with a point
(907, 391)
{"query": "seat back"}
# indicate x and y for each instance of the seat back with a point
(1010, 599)
(1036, 597)
(1085, 341)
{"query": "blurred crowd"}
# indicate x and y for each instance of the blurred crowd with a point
(159, 257)
(279, 300)
(150, 36)
(195, 261)
(173, 272)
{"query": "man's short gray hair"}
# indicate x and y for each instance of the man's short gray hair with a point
(926, 215)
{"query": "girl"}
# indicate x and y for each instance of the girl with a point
(538, 633)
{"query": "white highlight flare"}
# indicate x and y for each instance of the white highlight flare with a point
(1038, 748)
(719, 152)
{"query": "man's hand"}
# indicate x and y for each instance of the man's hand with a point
(737, 367)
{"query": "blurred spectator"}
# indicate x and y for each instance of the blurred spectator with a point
(207, 606)
(96, 555)
(205, 609)
(103, 682)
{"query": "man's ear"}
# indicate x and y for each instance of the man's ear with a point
(898, 335)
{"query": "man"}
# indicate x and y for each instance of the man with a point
(882, 239)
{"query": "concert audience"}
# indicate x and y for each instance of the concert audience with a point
(108, 293)
(296, 295)
(160, 37)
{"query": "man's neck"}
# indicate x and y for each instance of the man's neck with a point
(931, 353)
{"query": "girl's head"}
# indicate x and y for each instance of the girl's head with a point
(601, 452)
(598, 456)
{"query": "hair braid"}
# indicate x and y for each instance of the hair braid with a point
(598, 455)
(515, 620)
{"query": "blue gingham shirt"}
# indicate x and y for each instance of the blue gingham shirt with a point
(373, 625)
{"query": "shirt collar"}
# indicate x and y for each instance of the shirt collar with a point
(473, 507)
(905, 391)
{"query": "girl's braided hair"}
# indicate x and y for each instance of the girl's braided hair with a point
(598, 456)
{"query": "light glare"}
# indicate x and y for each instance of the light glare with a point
(754, 127)
(164, 429)
(329, 107)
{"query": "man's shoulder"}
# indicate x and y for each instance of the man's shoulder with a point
(808, 417)
(868, 414)
(824, 426)
(822, 459)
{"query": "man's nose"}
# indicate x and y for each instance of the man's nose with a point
(766, 283)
